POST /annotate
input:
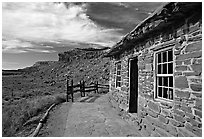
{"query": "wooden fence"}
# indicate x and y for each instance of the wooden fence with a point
(80, 87)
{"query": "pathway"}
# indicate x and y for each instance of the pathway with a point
(95, 116)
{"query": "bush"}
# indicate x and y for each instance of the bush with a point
(16, 114)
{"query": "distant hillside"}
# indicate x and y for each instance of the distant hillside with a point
(80, 64)
(26, 97)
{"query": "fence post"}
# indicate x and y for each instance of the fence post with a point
(67, 99)
(97, 87)
(83, 88)
(72, 90)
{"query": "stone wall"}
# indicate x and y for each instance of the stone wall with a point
(183, 115)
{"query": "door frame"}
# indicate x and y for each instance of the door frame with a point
(129, 64)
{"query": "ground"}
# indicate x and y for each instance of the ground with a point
(88, 116)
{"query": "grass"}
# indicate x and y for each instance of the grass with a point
(16, 114)
(27, 96)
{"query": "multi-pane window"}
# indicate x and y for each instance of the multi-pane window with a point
(118, 74)
(164, 74)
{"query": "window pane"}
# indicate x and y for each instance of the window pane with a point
(118, 72)
(164, 57)
(118, 78)
(119, 66)
(159, 69)
(170, 68)
(164, 69)
(165, 83)
(170, 55)
(160, 81)
(170, 93)
(171, 81)
(165, 92)
(119, 84)
(159, 58)
(160, 91)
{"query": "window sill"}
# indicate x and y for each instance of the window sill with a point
(165, 102)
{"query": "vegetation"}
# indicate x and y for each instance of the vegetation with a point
(26, 96)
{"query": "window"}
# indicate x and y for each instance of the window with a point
(164, 74)
(118, 74)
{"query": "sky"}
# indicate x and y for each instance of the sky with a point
(38, 31)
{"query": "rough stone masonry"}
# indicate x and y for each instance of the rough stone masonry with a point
(177, 26)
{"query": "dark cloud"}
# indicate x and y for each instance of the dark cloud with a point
(120, 15)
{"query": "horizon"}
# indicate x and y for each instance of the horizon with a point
(33, 32)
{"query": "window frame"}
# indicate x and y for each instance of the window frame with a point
(116, 74)
(156, 82)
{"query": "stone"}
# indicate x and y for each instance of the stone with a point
(148, 60)
(179, 62)
(171, 129)
(194, 27)
(196, 87)
(198, 104)
(198, 95)
(176, 123)
(196, 46)
(196, 80)
(166, 112)
(189, 55)
(181, 68)
(152, 113)
(154, 106)
(143, 102)
(179, 118)
(194, 123)
(177, 73)
(123, 88)
(198, 113)
(187, 62)
(197, 68)
(186, 109)
(178, 112)
(163, 119)
(191, 73)
(181, 82)
(182, 94)
(195, 38)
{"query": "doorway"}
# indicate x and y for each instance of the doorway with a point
(133, 102)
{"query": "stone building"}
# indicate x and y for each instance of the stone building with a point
(156, 71)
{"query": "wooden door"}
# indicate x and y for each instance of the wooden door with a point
(133, 102)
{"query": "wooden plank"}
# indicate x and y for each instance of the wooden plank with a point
(103, 87)
(90, 90)
(77, 90)
(77, 85)
(90, 87)
(67, 99)
(72, 93)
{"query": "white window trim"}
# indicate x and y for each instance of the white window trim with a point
(117, 75)
(155, 75)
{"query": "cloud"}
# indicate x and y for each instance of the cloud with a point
(27, 22)
(19, 46)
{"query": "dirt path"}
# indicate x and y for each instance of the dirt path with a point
(89, 116)
(56, 123)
